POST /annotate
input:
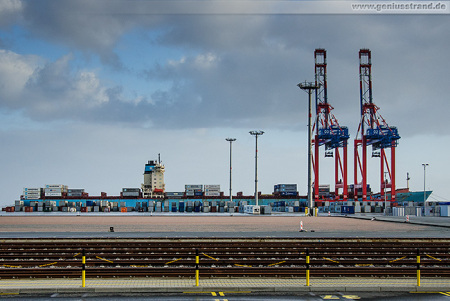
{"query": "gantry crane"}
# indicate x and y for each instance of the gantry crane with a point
(328, 131)
(373, 130)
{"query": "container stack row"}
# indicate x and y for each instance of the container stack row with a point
(223, 206)
(189, 206)
(288, 206)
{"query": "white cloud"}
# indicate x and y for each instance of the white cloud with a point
(48, 90)
(15, 71)
(89, 90)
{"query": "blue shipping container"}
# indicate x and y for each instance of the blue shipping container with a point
(348, 210)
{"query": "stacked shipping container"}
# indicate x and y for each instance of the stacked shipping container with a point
(285, 189)
(212, 190)
(193, 190)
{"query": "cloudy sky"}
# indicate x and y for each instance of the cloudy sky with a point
(91, 90)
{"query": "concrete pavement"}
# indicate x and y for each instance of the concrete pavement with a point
(228, 285)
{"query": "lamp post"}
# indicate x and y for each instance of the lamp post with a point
(231, 141)
(385, 195)
(309, 87)
(424, 177)
(256, 134)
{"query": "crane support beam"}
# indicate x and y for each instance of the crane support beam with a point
(328, 132)
(373, 131)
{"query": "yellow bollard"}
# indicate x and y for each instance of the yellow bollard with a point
(83, 269)
(306, 211)
(197, 261)
(418, 267)
(307, 267)
(316, 212)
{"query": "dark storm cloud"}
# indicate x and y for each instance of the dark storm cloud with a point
(238, 70)
(82, 25)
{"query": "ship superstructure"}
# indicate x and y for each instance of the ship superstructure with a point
(153, 186)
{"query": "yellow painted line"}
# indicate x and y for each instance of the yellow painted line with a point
(363, 265)
(221, 294)
(44, 265)
(214, 294)
(397, 259)
(242, 265)
(4, 294)
(445, 294)
(210, 257)
(330, 260)
(104, 259)
(276, 263)
(197, 292)
(424, 292)
(173, 261)
(76, 254)
(433, 257)
(11, 266)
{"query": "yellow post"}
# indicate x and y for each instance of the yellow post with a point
(83, 269)
(197, 261)
(418, 267)
(306, 211)
(307, 267)
(316, 211)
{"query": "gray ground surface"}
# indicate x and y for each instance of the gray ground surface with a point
(205, 225)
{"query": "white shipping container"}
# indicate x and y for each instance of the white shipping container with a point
(53, 194)
(60, 186)
(28, 189)
(32, 193)
(212, 193)
(212, 187)
(53, 190)
(193, 187)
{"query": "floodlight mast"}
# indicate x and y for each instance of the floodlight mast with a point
(256, 134)
(231, 141)
(309, 87)
(424, 177)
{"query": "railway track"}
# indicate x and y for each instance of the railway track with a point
(35, 258)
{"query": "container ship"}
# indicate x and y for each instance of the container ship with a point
(152, 197)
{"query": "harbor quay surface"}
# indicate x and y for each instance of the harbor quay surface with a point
(224, 226)
(205, 225)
